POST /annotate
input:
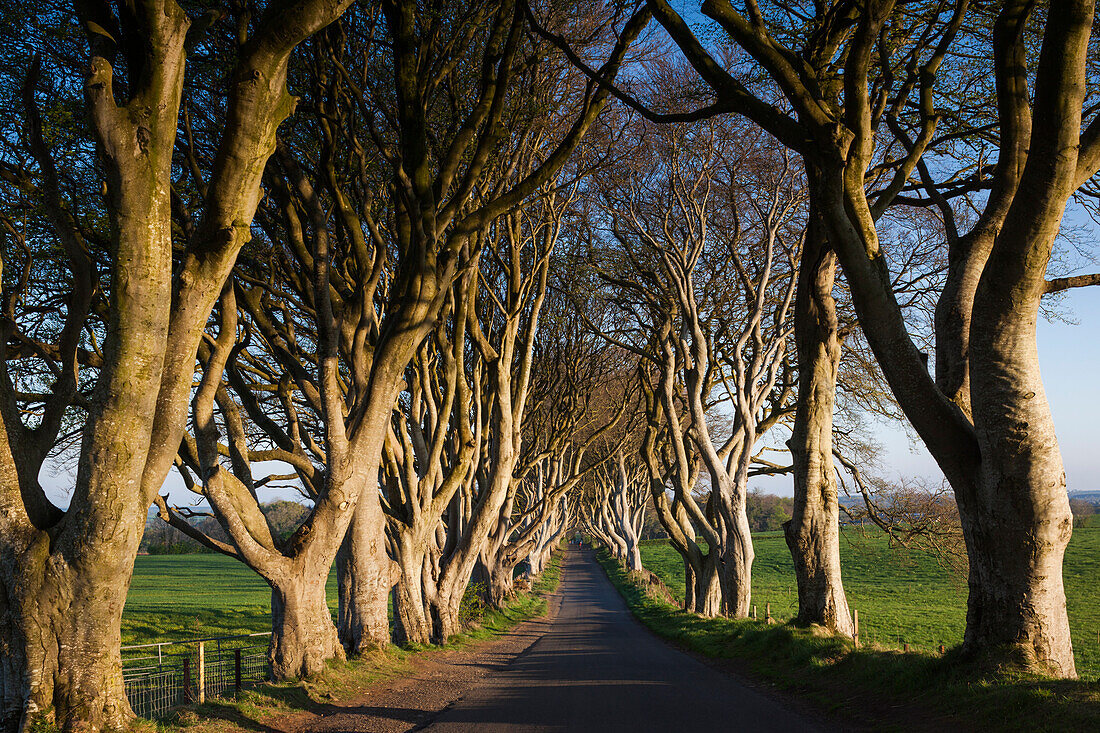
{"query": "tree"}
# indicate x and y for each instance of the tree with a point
(767, 512)
(615, 510)
(63, 571)
(453, 144)
(813, 532)
(704, 262)
(847, 74)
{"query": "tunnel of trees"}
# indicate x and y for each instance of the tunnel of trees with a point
(472, 276)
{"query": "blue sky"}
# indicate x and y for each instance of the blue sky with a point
(1070, 359)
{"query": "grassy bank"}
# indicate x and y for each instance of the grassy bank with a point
(904, 597)
(253, 708)
(871, 685)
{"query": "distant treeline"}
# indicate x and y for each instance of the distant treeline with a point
(162, 539)
(1086, 512)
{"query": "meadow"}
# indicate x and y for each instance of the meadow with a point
(904, 596)
(177, 597)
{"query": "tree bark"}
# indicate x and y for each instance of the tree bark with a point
(50, 664)
(411, 623)
(706, 590)
(1017, 519)
(363, 580)
(501, 583)
(303, 636)
(737, 555)
(813, 533)
(492, 570)
(445, 618)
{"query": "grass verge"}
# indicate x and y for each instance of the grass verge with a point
(883, 688)
(904, 595)
(253, 708)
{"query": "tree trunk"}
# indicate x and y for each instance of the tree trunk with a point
(706, 591)
(411, 624)
(1017, 520)
(813, 533)
(54, 671)
(539, 557)
(493, 578)
(446, 621)
(633, 557)
(303, 637)
(501, 583)
(363, 578)
(689, 586)
(736, 568)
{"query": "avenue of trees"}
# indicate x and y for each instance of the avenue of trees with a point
(473, 276)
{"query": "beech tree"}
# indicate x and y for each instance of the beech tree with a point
(543, 522)
(64, 577)
(855, 90)
(709, 242)
(447, 194)
(578, 410)
(615, 509)
(453, 141)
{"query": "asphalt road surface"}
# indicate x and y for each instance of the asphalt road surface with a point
(597, 669)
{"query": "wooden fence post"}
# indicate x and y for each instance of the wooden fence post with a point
(202, 672)
(768, 612)
(187, 697)
(754, 612)
(237, 669)
(855, 627)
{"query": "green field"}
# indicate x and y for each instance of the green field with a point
(904, 596)
(175, 597)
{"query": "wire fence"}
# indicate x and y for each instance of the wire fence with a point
(165, 675)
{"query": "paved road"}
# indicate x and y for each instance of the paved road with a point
(597, 669)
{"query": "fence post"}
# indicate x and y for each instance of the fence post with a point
(768, 612)
(905, 647)
(754, 612)
(187, 697)
(202, 672)
(237, 669)
(855, 627)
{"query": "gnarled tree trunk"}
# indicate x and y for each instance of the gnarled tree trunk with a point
(737, 556)
(813, 532)
(50, 664)
(363, 578)
(303, 636)
(1017, 518)
(704, 591)
(411, 622)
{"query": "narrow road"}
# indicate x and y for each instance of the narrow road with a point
(597, 669)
